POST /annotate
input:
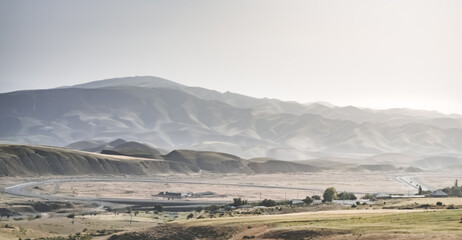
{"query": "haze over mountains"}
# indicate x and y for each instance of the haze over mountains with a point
(168, 115)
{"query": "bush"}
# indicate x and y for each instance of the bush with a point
(316, 197)
(158, 208)
(213, 208)
(190, 216)
(439, 204)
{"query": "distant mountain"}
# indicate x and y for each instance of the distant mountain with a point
(168, 115)
(133, 149)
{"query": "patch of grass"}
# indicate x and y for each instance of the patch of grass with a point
(356, 222)
(407, 222)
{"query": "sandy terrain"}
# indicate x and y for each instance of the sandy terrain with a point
(312, 183)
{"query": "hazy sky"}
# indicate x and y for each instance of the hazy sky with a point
(377, 54)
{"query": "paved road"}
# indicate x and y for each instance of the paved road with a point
(412, 183)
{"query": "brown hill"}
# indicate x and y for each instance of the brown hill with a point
(21, 160)
(25, 160)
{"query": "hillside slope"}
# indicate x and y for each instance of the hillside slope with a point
(22, 160)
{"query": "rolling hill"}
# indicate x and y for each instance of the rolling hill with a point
(27, 160)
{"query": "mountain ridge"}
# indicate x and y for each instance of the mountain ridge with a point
(170, 116)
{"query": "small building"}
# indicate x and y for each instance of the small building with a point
(438, 193)
(296, 202)
(382, 196)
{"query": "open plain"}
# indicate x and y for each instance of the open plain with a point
(90, 200)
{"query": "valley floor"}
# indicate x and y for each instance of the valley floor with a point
(411, 218)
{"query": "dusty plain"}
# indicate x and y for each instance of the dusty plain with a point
(410, 218)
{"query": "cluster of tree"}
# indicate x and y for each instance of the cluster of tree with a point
(239, 202)
(368, 196)
(268, 203)
(331, 194)
(454, 191)
(347, 196)
(308, 200)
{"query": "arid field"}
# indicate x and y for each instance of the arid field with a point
(250, 187)
(410, 218)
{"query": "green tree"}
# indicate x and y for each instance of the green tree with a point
(268, 203)
(330, 194)
(456, 184)
(308, 200)
(420, 190)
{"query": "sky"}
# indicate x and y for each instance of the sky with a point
(376, 54)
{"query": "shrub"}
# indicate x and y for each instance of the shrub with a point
(316, 197)
(158, 208)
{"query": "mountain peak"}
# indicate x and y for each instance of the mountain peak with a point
(135, 81)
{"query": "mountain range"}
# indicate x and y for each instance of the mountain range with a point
(168, 116)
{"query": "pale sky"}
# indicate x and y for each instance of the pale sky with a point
(377, 54)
